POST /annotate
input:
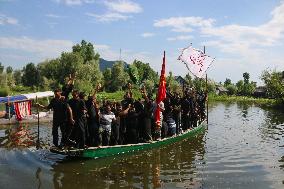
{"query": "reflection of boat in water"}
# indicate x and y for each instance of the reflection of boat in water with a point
(172, 166)
(17, 136)
(104, 151)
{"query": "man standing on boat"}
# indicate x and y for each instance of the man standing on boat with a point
(185, 110)
(93, 120)
(125, 103)
(79, 115)
(62, 114)
(148, 105)
(106, 119)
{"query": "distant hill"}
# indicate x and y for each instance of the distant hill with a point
(104, 64)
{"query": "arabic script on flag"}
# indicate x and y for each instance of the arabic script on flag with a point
(196, 61)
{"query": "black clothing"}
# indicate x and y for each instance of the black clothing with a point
(60, 119)
(122, 130)
(139, 109)
(185, 107)
(106, 138)
(148, 106)
(93, 124)
(131, 127)
(78, 107)
(60, 110)
(125, 102)
(66, 90)
(114, 133)
(115, 128)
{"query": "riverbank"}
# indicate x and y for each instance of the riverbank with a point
(244, 99)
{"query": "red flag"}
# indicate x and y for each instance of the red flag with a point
(22, 109)
(161, 91)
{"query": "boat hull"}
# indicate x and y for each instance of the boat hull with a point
(104, 151)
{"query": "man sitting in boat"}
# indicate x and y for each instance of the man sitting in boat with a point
(62, 114)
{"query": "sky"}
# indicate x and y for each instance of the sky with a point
(243, 35)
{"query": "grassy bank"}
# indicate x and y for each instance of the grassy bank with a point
(244, 99)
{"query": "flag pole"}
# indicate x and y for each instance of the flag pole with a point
(9, 109)
(37, 109)
(206, 88)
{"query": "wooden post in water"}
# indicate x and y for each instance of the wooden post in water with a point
(206, 88)
(37, 109)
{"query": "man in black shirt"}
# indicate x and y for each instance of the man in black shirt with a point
(78, 112)
(93, 121)
(148, 106)
(61, 115)
(186, 110)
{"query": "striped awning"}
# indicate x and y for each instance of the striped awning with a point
(24, 97)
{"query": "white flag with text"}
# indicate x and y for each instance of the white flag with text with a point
(195, 60)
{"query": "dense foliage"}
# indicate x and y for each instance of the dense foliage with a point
(274, 82)
(84, 63)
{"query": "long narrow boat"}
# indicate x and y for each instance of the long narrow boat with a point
(104, 151)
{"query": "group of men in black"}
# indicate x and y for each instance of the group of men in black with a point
(84, 123)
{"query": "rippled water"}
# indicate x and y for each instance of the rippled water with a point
(243, 147)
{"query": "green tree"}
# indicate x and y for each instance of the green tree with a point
(107, 79)
(69, 64)
(3, 80)
(31, 76)
(199, 84)
(119, 78)
(246, 78)
(1, 68)
(274, 83)
(88, 76)
(9, 70)
(232, 89)
(248, 87)
(86, 50)
(172, 84)
(145, 72)
(133, 74)
(227, 82)
(211, 87)
(188, 79)
(240, 86)
(150, 86)
(97, 75)
(50, 69)
(17, 77)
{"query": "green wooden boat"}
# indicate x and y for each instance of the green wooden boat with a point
(104, 151)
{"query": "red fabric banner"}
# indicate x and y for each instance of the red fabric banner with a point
(22, 109)
(161, 91)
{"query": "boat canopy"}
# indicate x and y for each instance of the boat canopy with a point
(24, 97)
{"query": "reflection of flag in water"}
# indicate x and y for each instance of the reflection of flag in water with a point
(195, 60)
(22, 109)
